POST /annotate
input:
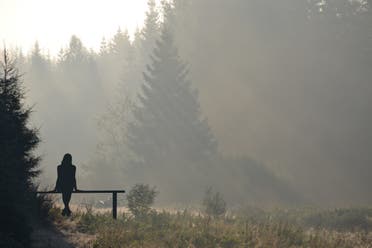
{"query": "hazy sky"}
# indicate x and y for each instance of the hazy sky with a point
(52, 22)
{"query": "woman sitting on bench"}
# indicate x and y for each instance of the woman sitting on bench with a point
(66, 181)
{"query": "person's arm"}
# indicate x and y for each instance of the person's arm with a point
(74, 186)
(58, 183)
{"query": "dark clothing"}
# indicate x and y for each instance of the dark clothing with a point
(66, 197)
(66, 178)
(66, 183)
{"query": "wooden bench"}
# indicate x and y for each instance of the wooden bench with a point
(114, 196)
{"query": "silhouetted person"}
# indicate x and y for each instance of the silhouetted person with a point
(66, 181)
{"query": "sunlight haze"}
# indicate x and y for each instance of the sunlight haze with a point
(52, 22)
(185, 123)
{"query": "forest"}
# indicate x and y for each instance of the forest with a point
(245, 123)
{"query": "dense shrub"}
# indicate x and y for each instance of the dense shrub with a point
(214, 204)
(140, 198)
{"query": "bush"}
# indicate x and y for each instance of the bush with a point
(214, 204)
(140, 198)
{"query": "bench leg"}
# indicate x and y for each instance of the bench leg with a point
(114, 204)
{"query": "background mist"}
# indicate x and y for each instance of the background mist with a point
(283, 87)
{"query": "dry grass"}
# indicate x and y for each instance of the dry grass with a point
(95, 228)
(187, 229)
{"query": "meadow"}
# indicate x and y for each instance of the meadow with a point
(243, 227)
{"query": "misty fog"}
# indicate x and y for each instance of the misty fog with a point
(267, 101)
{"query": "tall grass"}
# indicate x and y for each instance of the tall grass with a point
(280, 228)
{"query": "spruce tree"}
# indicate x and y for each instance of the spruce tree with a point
(18, 163)
(81, 91)
(103, 49)
(150, 32)
(39, 77)
(168, 132)
(143, 44)
(120, 47)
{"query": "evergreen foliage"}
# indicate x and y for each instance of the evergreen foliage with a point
(39, 72)
(149, 33)
(168, 132)
(120, 44)
(18, 163)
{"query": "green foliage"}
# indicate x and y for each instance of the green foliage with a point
(168, 135)
(140, 198)
(214, 204)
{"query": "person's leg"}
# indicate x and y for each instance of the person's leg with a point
(66, 197)
(64, 211)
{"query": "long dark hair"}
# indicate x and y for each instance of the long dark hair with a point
(67, 159)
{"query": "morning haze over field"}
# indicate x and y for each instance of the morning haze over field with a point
(224, 109)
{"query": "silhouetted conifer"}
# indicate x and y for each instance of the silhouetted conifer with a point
(18, 164)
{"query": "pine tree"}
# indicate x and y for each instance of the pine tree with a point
(120, 47)
(39, 67)
(149, 33)
(143, 44)
(78, 73)
(80, 96)
(169, 131)
(103, 49)
(121, 57)
(18, 163)
(39, 76)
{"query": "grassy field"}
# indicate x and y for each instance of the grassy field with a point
(246, 227)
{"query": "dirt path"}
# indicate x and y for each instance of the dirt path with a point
(60, 235)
